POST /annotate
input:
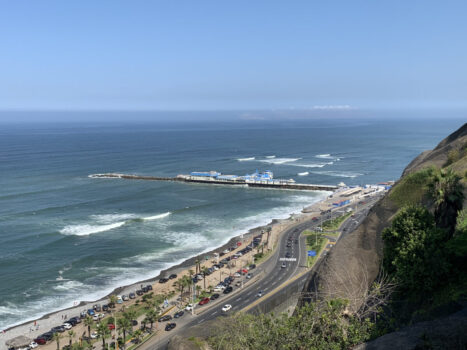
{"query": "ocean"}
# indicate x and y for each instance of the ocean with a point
(65, 237)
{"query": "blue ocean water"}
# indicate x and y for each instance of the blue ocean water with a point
(65, 237)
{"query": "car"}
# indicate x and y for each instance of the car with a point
(165, 318)
(204, 301)
(238, 284)
(260, 294)
(288, 245)
(145, 289)
(215, 267)
(252, 266)
(91, 312)
(228, 290)
(76, 318)
(59, 329)
(97, 308)
(219, 288)
(173, 276)
(236, 274)
(40, 340)
(111, 326)
(149, 287)
(163, 280)
(105, 307)
(119, 299)
(284, 265)
(296, 241)
(314, 218)
(132, 295)
(288, 255)
(33, 345)
(134, 322)
(215, 296)
(47, 335)
(179, 314)
(125, 297)
(189, 307)
(140, 292)
(199, 276)
(94, 335)
(67, 326)
(249, 275)
(170, 326)
(72, 321)
(226, 307)
(95, 317)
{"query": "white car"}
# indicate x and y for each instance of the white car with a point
(219, 288)
(67, 326)
(101, 316)
(215, 268)
(226, 307)
(94, 335)
(249, 275)
(189, 307)
(236, 274)
(33, 345)
(260, 294)
(95, 317)
(119, 299)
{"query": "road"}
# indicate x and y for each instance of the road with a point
(267, 276)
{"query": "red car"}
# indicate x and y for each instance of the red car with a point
(111, 326)
(40, 341)
(314, 218)
(204, 301)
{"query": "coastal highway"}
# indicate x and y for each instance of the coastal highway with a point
(266, 277)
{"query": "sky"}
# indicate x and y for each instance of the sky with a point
(232, 55)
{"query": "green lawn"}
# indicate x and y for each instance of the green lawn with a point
(314, 241)
(331, 225)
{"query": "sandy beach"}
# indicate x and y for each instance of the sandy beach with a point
(34, 328)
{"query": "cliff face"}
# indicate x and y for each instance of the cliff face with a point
(355, 261)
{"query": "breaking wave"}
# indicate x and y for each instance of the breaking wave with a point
(303, 174)
(245, 159)
(337, 174)
(279, 160)
(107, 223)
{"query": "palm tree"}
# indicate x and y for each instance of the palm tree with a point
(113, 300)
(130, 315)
(198, 289)
(57, 336)
(124, 324)
(88, 322)
(103, 331)
(447, 191)
(151, 316)
(138, 335)
(205, 272)
(269, 229)
(71, 334)
(196, 265)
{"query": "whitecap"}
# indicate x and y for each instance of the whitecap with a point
(270, 157)
(338, 174)
(68, 285)
(85, 230)
(245, 159)
(303, 174)
(155, 217)
(279, 160)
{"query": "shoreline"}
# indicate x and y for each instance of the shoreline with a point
(177, 268)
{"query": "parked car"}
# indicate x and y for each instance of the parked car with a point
(132, 295)
(94, 335)
(172, 276)
(59, 329)
(145, 289)
(140, 292)
(204, 301)
(119, 299)
(260, 294)
(91, 312)
(284, 265)
(252, 266)
(134, 323)
(236, 274)
(97, 308)
(228, 290)
(179, 314)
(72, 321)
(33, 345)
(165, 318)
(215, 296)
(163, 280)
(189, 307)
(40, 340)
(105, 307)
(249, 275)
(149, 287)
(111, 326)
(170, 326)
(219, 288)
(95, 317)
(226, 307)
(125, 297)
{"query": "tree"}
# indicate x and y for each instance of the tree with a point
(71, 334)
(197, 265)
(414, 250)
(56, 337)
(198, 290)
(447, 191)
(130, 314)
(88, 321)
(103, 331)
(269, 229)
(205, 272)
(138, 333)
(151, 316)
(113, 300)
(124, 324)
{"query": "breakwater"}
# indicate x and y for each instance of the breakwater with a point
(263, 184)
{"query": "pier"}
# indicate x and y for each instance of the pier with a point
(188, 179)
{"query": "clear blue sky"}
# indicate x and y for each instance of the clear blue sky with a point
(185, 55)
